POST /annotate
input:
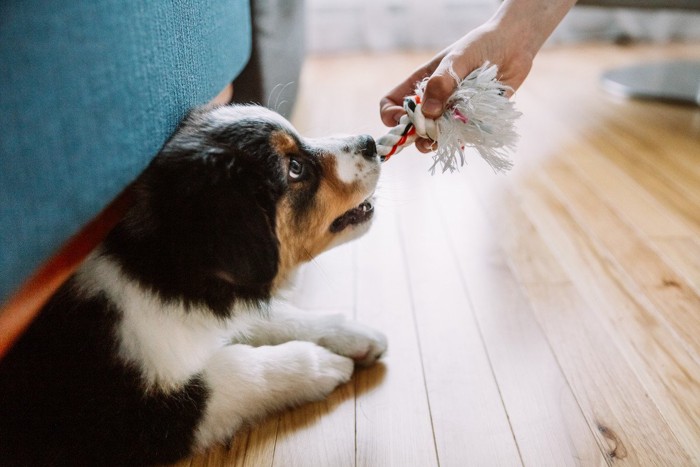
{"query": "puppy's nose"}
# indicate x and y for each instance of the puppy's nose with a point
(368, 147)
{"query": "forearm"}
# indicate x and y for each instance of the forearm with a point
(530, 22)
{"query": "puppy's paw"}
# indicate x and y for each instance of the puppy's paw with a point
(321, 371)
(354, 340)
(332, 370)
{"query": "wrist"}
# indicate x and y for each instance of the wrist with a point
(516, 34)
(526, 24)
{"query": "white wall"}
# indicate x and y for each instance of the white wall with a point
(376, 25)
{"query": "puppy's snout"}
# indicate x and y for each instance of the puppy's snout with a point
(368, 147)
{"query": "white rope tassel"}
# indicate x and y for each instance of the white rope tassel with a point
(478, 115)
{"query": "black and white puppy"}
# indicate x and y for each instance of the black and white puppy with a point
(169, 336)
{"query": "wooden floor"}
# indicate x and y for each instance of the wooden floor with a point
(546, 317)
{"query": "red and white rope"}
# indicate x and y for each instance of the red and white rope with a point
(478, 115)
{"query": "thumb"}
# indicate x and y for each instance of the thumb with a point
(438, 89)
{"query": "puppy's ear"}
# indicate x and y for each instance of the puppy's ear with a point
(230, 209)
(247, 253)
(203, 228)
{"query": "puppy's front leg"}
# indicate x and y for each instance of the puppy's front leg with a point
(336, 333)
(246, 383)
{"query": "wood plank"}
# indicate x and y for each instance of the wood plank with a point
(528, 374)
(599, 392)
(669, 374)
(583, 347)
(643, 141)
(667, 232)
(255, 446)
(330, 420)
(393, 416)
(671, 296)
(674, 185)
(470, 423)
(325, 284)
(630, 201)
(655, 144)
(251, 447)
(683, 254)
(614, 403)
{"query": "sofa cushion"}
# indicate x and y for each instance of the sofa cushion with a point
(89, 91)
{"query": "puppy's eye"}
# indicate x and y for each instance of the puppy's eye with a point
(296, 170)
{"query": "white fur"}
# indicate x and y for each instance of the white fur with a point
(168, 343)
(229, 115)
(248, 383)
(296, 357)
(348, 166)
(351, 232)
(284, 322)
(253, 363)
(351, 166)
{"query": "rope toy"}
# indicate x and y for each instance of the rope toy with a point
(478, 115)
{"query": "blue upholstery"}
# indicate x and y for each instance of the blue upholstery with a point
(89, 91)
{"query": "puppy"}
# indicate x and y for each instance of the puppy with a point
(169, 337)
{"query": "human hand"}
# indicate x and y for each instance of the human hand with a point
(488, 42)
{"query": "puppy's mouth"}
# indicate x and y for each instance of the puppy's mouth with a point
(357, 215)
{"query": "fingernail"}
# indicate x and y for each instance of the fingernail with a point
(432, 107)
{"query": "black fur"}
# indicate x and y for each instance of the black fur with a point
(201, 231)
(66, 400)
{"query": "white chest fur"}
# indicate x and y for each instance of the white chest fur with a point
(168, 343)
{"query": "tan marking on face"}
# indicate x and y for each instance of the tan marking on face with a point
(302, 239)
(282, 142)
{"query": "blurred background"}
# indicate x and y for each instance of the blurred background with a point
(286, 32)
(383, 25)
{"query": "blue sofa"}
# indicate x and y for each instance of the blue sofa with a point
(89, 91)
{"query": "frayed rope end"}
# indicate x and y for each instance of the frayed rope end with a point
(478, 115)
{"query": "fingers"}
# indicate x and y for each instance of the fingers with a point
(391, 105)
(390, 111)
(437, 90)
(458, 61)
(425, 145)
